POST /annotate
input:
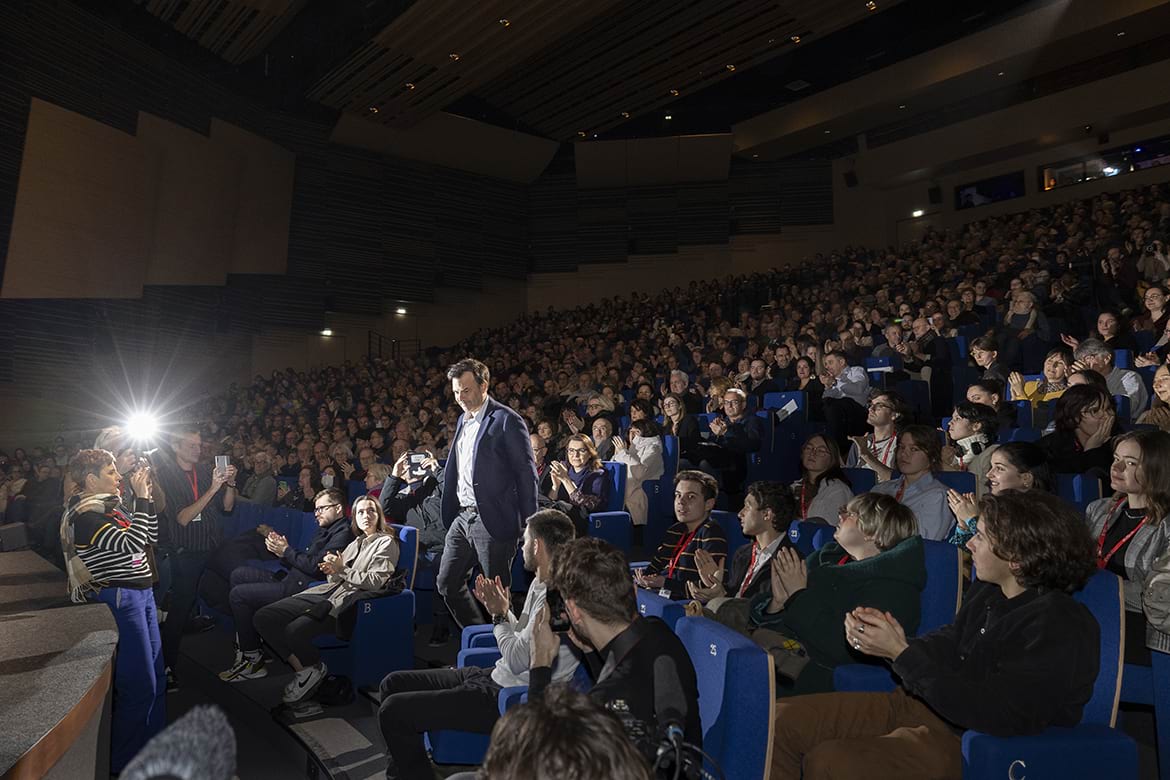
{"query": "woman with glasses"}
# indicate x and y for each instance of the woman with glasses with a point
(251, 587)
(1085, 419)
(364, 569)
(823, 487)
(580, 485)
(875, 560)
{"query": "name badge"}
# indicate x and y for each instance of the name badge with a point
(664, 593)
(138, 559)
(197, 518)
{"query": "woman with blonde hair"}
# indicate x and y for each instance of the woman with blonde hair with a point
(876, 560)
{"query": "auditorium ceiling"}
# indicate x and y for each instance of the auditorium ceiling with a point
(572, 70)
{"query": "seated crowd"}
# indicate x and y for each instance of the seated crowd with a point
(1059, 378)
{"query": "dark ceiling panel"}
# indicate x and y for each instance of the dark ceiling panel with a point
(236, 30)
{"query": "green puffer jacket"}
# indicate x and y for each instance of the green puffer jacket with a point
(891, 581)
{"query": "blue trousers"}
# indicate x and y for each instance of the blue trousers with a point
(140, 684)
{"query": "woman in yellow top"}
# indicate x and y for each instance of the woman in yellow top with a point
(1051, 387)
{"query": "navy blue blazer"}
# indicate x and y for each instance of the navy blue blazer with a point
(504, 473)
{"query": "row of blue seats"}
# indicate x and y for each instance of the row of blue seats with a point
(383, 634)
(736, 692)
(1092, 749)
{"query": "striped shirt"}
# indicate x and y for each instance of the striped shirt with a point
(112, 545)
(709, 536)
(182, 489)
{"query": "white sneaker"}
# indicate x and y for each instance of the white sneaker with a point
(304, 683)
(245, 668)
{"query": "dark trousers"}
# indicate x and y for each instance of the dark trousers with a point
(229, 556)
(186, 567)
(251, 589)
(468, 542)
(465, 699)
(870, 735)
(289, 631)
(140, 685)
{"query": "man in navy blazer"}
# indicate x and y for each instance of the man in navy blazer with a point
(489, 487)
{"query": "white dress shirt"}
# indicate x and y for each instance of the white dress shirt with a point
(465, 456)
(851, 383)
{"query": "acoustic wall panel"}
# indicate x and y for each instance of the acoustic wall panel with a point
(84, 209)
(263, 201)
(198, 188)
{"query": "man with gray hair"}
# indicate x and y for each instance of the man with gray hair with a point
(1096, 354)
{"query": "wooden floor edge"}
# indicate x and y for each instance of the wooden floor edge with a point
(42, 756)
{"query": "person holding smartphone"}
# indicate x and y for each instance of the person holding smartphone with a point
(189, 529)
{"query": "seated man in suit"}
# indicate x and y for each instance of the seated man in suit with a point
(1022, 655)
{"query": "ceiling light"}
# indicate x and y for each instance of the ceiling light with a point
(505, 23)
(771, 40)
(730, 67)
(828, 131)
(754, 156)
(400, 310)
(373, 109)
(1121, 34)
(668, 116)
(327, 332)
(795, 39)
(625, 115)
(871, 6)
(580, 133)
(454, 56)
(902, 106)
(1000, 73)
(917, 213)
(409, 85)
(674, 93)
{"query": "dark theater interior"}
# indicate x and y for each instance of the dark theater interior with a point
(562, 390)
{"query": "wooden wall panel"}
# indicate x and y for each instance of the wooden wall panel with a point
(84, 207)
(264, 200)
(195, 219)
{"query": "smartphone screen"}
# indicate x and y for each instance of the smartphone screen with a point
(416, 460)
(221, 462)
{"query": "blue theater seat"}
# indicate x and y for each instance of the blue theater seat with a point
(737, 690)
(861, 480)
(383, 635)
(651, 604)
(940, 602)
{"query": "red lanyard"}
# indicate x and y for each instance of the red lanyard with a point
(885, 457)
(747, 578)
(844, 560)
(194, 483)
(803, 505)
(901, 490)
(678, 551)
(1102, 562)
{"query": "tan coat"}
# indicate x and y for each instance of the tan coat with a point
(369, 564)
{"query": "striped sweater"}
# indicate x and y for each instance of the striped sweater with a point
(708, 535)
(112, 544)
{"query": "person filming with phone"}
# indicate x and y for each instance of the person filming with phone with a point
(189, 529)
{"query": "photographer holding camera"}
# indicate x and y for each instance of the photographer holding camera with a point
(629, 656)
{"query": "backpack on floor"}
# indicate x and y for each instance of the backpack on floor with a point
(336, 690)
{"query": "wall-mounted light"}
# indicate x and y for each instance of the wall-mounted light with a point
(917, 213)
(327, 332)
(400, 310)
